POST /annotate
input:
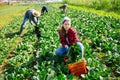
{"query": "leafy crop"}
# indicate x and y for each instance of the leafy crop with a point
(35, 59)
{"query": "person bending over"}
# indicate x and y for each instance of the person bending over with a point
(32, 15)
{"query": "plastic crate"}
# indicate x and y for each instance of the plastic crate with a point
(78, 68)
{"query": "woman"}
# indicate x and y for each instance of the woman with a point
(68, 37)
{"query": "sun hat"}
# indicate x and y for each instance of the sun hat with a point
(36, 13)
(65, 18)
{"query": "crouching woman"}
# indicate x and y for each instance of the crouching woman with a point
(68, 37)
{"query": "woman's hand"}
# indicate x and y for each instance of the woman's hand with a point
(65, 46)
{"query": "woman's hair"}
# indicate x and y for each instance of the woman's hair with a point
(63, 32)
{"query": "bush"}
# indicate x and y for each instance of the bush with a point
(108, 5)
(115, 5)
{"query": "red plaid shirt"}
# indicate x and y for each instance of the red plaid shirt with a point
(71, 35)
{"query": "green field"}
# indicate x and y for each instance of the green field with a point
(107, 5)
(8, 13)
(30, 58)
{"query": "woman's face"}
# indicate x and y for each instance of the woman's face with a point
(66, 25)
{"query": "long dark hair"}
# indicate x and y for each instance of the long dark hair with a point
(63, 31)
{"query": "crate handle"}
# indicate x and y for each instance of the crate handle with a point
(82, 49)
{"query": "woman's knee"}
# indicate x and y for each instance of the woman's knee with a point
(62, 51)
(57, 52)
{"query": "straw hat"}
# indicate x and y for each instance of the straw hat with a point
(36, 13)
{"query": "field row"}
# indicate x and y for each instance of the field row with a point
(35, 59)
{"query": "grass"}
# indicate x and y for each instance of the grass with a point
(98, 12)
(107, 5)
(8, 13)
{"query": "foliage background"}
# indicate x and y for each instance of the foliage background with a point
(108, 5)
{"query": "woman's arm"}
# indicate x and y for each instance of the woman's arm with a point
(62, 38)
(73, 38)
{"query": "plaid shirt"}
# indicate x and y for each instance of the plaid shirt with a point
(71, 35)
